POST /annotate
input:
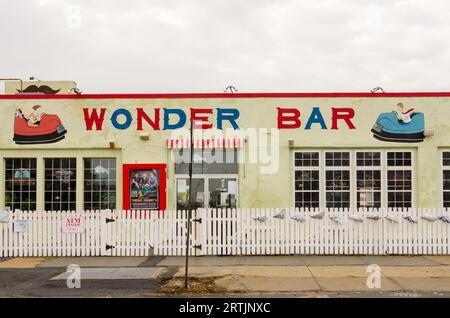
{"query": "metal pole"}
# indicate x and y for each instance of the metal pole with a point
(188, 221)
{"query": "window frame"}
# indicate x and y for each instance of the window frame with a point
(333, 168)
(400, 168)
(84, 159)
(443, 167)
(370, 168)
(353, 171)
(69, 192)
(208, 175)
(36, 180)
(307, 168)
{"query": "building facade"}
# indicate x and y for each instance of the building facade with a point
(87, 152)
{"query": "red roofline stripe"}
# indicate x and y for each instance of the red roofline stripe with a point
(226, 95)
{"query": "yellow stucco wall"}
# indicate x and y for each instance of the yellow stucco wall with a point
(255, 189)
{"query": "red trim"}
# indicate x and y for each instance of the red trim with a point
(205, 143)
(162, 182)
(226, 95)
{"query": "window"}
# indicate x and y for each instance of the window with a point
(306, 179)
(307, 159)
(368, 179)
(60, 184)
(337, 179)
(207, 161)
(20, 183)
(357, 179)
(446, 179)
(215, 181)
(99, 183)
(399, 179)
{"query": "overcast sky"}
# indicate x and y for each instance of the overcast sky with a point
(151, 46)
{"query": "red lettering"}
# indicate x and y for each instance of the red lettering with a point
(201, 115)
(141, 114)
(94, 118)
(291, 115)
(345, 114)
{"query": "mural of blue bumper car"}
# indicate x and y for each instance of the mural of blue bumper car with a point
(389, 128)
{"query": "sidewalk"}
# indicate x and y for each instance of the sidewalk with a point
(269, 275)
(294, 274)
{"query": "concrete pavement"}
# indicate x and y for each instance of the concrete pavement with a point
(210, 261)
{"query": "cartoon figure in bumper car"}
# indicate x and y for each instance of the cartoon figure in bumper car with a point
(37, 127)
(401, 125)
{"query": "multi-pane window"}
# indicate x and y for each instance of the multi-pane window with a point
(99, 183)
(399, 159)
(215, 180)
(399, 179)
(306, 179)
(20, 183)
(446, 178)
(358, 179)
(306, 159)
(368, 179)
(207, 161)
(337, 179)
(60, 184)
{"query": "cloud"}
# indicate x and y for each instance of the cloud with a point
(256, 45)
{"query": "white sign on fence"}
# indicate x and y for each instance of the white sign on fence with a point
(72, 225)
(4, 217)
(20, 226)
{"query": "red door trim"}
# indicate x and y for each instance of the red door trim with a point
(126, 168)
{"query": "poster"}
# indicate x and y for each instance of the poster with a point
(20, 226)
(144, 189)
(4, 217)
(72, 225)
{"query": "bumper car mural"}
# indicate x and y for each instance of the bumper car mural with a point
(37, 127)
(400, 126)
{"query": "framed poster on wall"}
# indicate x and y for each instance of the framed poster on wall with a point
(144, 186)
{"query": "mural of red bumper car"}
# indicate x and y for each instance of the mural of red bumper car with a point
(49, 129)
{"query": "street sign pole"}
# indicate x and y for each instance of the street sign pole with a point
(188, 221)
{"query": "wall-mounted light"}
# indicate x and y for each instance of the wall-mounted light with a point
(112, 144)
(144, 135)
(291, 142)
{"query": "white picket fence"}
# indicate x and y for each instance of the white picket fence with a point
(265, 231)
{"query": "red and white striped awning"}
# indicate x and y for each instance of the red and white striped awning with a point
(206, 143)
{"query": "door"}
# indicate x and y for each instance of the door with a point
(198, 193)
(208, 191)
(212, 223)
(222, 192)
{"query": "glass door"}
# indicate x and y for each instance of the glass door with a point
(222, 192)
(198, 193)
(208, 191)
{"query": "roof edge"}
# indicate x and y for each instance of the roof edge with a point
(226, 95)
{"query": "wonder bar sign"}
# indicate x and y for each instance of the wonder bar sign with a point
(207, 118)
